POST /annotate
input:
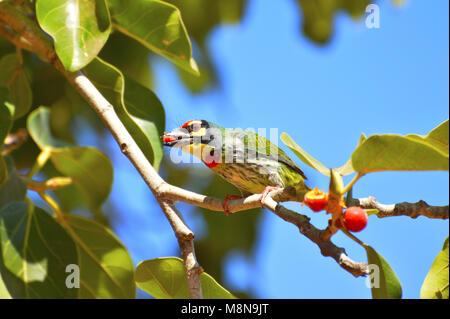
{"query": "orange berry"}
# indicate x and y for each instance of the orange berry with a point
(316, 200)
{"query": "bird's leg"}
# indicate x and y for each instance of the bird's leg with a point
(226, 200)
(266, 191)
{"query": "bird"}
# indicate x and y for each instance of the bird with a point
(241, 157)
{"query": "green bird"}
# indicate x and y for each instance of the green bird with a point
(243, 158)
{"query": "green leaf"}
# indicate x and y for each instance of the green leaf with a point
(137, 107)
(305, 157)
(106, 268)
(14, 77)
(347, 168)
(158, 26)
(389, 286)
(6, 115)
(436, 282)
(90, 169)
(35, 251)
(14, 188)
(79, 28)
(6, 121)
(165, 278)
(389, 152)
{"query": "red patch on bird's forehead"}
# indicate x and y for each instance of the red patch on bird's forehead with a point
(191, 122)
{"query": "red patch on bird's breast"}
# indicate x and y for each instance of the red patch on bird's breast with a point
(212, 160)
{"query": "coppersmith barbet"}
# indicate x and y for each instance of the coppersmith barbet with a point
(243, 158)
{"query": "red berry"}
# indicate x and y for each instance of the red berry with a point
(355, 219)
(316, 200)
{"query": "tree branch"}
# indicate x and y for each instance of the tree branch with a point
(412, 210)
(165, 193)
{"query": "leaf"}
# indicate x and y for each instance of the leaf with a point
(165, 278)
(347, 168)
(389, 152)
(158, 26)
(305, 157)
(6, 115)
(106, 268)
(14, 188)
(137, 107)
(88, 167)
(436, 282)
(389, 285)
(14, 77)
(35, 251)
(79, 28)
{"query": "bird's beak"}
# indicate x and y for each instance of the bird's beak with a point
(177, 138)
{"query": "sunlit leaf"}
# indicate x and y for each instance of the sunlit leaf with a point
(347, 168)
(137, 107)
(79, 28)
(35, 251)
(106, 268)
(386, 284)
(158, 26)
(305, 157)
(89, 168)
(389, 152)
(165, 278)
(436, 282)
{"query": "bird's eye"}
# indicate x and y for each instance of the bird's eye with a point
(195, 127)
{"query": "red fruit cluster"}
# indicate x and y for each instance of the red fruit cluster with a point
(355, 219)
(316, 200)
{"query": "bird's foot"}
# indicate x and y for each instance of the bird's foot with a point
(266, 192)
(226, 200)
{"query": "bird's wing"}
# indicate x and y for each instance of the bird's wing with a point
(261, 145)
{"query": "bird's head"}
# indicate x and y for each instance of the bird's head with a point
(196, 137)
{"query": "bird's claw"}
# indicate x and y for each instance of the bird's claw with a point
(226, 200)
(266, 192)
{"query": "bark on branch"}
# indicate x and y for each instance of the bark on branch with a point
(412, 210)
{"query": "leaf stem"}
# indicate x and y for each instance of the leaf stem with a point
(40, 162)
(53, 204)
(352, 182)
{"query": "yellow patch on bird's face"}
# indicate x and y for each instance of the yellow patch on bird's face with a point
(201, 132)
(198, 150)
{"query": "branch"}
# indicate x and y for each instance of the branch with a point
(412, 210)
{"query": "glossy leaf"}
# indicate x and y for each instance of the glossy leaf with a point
(305, 157)
(389, 285)
(89, 168)
(389, 152)
(165, 278)
(14, 188)
(436, 282)
(35, 251)
(158, 26)
(137, 107)
(106, 268)
(14, 77)
(79, 28)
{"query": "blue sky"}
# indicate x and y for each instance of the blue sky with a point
(389, 80)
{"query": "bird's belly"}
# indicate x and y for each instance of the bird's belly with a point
(250, 177)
